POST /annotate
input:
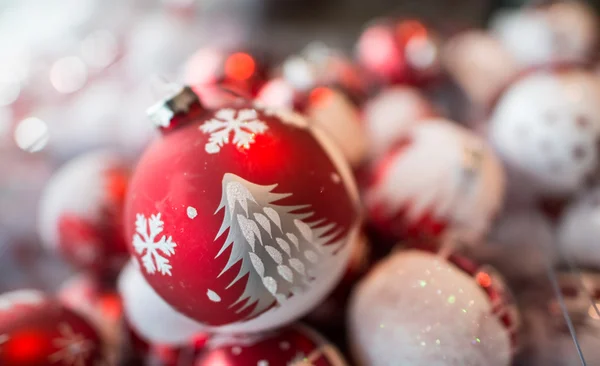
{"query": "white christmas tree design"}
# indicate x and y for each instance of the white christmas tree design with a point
(244, 125)
(153, 253)
(73, 348)
(281, 253)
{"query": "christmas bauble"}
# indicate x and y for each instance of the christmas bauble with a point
(416, 308)
(390, 115)
(546, 125)
(295, 345)
(333, 112)
(37, 331)
(451, 183)
(242, 71)
(240, 213)
(479, 63)
(399, 51)
(149, 315)
(561, 32)
(578, 229)
(80, 214)
(97, 302)
(321, 66)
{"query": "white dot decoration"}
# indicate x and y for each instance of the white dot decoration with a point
(213, 296)
(236, 350)
(192, 212)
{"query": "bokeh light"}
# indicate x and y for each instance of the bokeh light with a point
(31, 134)
(99, 49)
(68, 74)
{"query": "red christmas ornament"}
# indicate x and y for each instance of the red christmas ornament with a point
(38, 331)
(399, 52)
(241, 71)
(321, 66)
(294, 346)
(101, 305)
(240, 212)
(81, 212)
(389, 116)
(452, 185)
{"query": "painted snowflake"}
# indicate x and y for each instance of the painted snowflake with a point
(73, 348)
(244, 125)
(153, 253)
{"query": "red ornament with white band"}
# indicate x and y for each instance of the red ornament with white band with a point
(36, 330)
(451, 184)
(240, 216)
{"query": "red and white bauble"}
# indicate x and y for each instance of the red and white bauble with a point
(390, 115)
(241, 213)
(242, 71)
(399, 52)
(36, 330)
(99, 303)
(418, 308)
(149, 315)
(321, 66)
(81, 212)
(440, 180)
(578, 230)
(545, 127)
(295, 345)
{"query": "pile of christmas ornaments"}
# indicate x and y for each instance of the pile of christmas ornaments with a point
(337, 195)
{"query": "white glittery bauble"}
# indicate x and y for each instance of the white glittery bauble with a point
(526, 232)
(149, 315)
(562, 32)
(579, 230)
(545, 127)
(391, 114)
(415, 308)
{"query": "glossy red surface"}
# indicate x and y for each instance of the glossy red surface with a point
(177, 173)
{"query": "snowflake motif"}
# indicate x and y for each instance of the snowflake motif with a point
(146, 242)
(21, 297)
(244, 126)
(73, 348)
